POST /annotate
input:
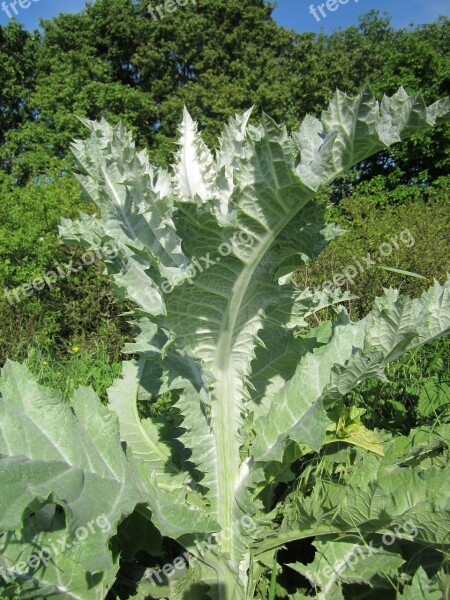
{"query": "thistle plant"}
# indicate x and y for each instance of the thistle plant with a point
(206, 255)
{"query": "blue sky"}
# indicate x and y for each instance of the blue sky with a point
(290, 13)
(296, 13)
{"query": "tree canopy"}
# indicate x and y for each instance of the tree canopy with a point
(217, 57)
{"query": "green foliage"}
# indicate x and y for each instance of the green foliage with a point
(217, 57)
(83, 314)
(371, 215)
(28, 223)
(78, 306)
(17, 49)
(361, 493)
(416, 393)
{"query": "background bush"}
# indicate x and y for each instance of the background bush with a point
(371, 214)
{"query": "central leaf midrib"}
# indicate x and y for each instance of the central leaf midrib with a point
(225, 435)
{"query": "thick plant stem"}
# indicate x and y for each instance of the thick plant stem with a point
(228, 587)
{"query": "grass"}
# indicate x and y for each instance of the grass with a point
(80, 366)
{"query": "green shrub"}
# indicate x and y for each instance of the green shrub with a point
(79, 309)
(371, 216)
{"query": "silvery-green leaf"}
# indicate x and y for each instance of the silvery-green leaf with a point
(70, 453)
(206, 255)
